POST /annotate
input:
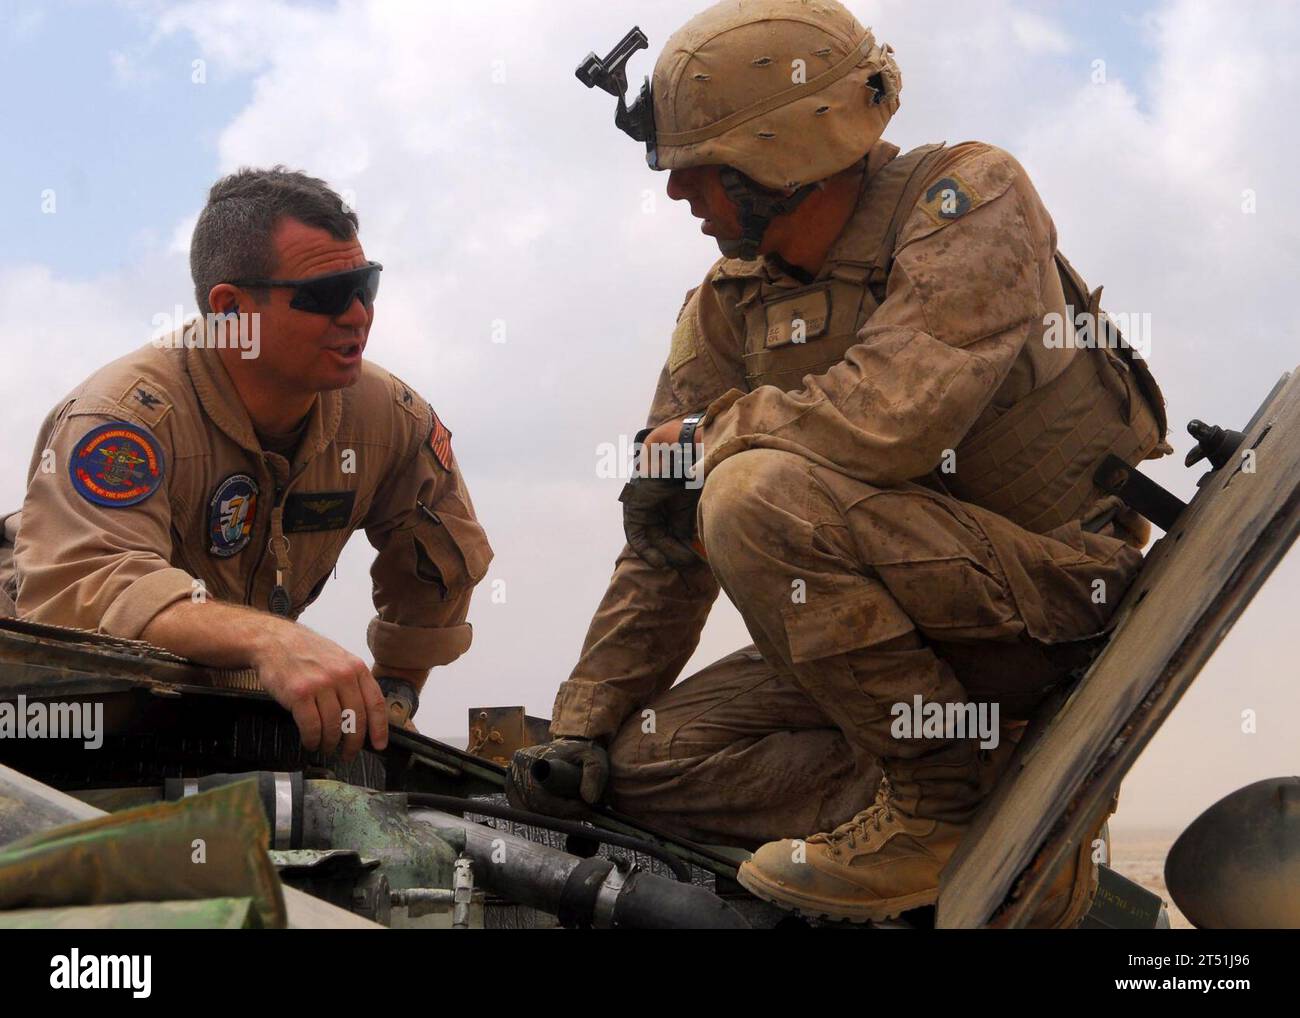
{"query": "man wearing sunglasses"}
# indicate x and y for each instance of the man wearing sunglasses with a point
(198, 492)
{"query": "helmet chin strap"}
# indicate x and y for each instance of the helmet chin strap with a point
(757, 206)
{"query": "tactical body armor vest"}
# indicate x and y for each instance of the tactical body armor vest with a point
(1033, 462)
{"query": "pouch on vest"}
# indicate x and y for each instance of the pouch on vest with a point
(1119, 353)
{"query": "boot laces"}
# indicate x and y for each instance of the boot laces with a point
(880, 811)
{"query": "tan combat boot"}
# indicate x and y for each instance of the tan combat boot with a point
(1071, 893)
(1074, 887)
(879, 864)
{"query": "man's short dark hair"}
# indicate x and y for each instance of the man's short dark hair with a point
(232, 239)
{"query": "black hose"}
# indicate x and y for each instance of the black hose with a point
(458, 804)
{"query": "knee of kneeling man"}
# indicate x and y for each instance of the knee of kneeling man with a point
(623, 749)
(629, 764)
(742, 487)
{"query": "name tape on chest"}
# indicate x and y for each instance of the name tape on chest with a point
(116, 465)
(797, 319)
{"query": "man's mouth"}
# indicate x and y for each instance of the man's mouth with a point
(348, 352)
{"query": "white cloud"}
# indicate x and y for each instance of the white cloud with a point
(1037, 34)
(179, 245)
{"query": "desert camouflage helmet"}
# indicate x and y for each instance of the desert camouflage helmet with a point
(781, 93)
(787, 91)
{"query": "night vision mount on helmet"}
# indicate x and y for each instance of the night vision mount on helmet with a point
(610, 74)
(757, 205)
(780, 95)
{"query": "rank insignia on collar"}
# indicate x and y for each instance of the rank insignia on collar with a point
(116, 465)
(232, 511)
(440, 442)
(144, 402)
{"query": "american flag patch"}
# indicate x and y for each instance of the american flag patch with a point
(440, 442)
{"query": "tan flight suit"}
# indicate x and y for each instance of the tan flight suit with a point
(225, 518)
(897, 465)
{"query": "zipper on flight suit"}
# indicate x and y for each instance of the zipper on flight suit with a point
(281, 490)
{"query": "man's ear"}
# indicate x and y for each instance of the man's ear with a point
(223, 299)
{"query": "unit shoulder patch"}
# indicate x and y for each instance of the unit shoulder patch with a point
(971, 175)
(950, 197)
(116, 465)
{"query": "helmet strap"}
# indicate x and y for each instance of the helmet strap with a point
(757, 206)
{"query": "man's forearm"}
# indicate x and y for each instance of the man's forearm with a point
(212, 633)
(646, 628)
(227, 635)
(330, 692)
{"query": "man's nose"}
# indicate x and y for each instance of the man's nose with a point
(357, 315)
(679, 185)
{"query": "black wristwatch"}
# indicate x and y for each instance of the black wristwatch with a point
(682, 454)
(690, 425)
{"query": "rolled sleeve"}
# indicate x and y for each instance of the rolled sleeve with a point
(416, 647)
(135, 607)
(431, 555)
(89, 566)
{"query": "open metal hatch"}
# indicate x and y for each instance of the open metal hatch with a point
(1196, 581)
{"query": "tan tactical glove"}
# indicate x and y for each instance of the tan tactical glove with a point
(659, 521)
(559, 778)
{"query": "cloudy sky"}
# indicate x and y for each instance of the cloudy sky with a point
(534, 266)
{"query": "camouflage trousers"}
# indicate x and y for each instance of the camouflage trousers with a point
(858, 598)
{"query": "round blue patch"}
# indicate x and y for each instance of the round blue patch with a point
(232, 511)
(116, 465)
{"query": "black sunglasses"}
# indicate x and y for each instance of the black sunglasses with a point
(330, 294)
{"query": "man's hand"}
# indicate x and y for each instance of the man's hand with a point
(658, 506)
(310, 676)
(524, 789)
(659, 521)
(316, 680)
